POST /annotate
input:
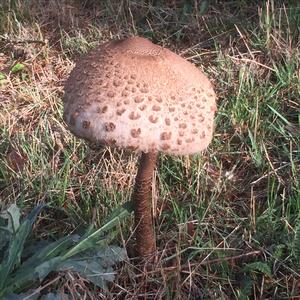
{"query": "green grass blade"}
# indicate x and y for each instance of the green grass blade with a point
(296, 244)
(279, 115)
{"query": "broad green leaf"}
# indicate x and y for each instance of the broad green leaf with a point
(14, 253)
(48, 266)
(30, 274)
(56, 296)
(112, 254)
(5, 237)
(16, 246)
(91, 240)
(98, 266)
(12, 217)
(92, 270)
(53, 256)
(203, 7)
(17, 68)
(52, 250)
(27, 272)
(2, 76)
(21, 296)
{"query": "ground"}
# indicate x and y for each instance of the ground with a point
(227, 219)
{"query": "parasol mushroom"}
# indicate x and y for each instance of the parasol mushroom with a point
(137, 95)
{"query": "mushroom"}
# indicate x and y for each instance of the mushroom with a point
(137, 95)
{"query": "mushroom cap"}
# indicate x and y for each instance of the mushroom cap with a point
(134, 94)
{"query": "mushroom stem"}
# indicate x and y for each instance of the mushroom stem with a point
(142, 205)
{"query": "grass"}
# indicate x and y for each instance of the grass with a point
(226, 219)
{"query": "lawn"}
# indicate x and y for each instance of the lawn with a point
(227, 220)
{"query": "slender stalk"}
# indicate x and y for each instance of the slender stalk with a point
(142, 204)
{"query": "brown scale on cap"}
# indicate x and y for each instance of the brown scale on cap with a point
(153, 119)
(109, 126)
(117, 82)
(123, 76)
(120, 111)
(138, 99)
(86, 124)
(135, 132)
(134, 115)
(156, 108)
(142, 107)
(144, 89)
(111, 94)
(102, 110)
(165, 136)
(201, 118)
(189, 140)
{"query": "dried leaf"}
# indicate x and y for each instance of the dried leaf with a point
(16, 161)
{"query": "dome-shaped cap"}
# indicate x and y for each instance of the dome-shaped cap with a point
(134, 94)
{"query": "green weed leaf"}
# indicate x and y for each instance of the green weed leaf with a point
(2, 76)
(91, 240)
(245, 284)
(258, 266)
(94, 263)
(12, 217)
(15, 251)
(17, 68)
(55, 296)
(203, 7)
(9, 223)
(21, 296)
(17, 244)
(98, 266)
(48, 266)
